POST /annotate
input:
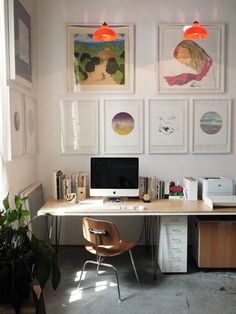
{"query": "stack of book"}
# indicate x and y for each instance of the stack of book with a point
(152, 186)
(61, 185)
(78, 184)
(160, 189)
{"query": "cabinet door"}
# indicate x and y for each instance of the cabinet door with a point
(212, 244)
(217, 244)
(230, 244)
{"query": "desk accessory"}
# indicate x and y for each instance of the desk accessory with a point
(71, 198)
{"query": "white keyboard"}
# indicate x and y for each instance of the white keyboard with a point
(110, 207)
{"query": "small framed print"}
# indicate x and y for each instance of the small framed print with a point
(190, 66)
(17, 124)
(20, 43)
(123, 126)
(79, 126)
(101, 67)
(168, 126)
(211, 126)
(30, 126)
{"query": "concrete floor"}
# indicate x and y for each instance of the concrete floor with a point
(197, 292)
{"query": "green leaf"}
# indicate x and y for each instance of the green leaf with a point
(23, 215)
(2, 219)
(6, 202)
(11, 215)
(18, 202)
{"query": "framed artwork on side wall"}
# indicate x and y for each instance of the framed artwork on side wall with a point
(101, 67)
(17, 124)
(30, 126)
(79, 126)
(20, 43)
(168, 126)
(123, 126)
(188, 66)
(211, 126)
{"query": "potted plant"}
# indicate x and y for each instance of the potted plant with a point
(23, 258)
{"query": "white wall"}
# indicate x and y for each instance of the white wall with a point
(52, 18)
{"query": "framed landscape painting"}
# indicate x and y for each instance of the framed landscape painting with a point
(188, 66)
(95, 66)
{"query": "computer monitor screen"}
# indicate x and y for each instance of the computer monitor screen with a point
(114, 176)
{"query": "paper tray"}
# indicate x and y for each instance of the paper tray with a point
(220, 201)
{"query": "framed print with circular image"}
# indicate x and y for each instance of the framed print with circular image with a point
(211, 126)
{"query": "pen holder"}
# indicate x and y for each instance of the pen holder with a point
(71, 198)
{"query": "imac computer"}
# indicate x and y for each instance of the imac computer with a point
(114, 177)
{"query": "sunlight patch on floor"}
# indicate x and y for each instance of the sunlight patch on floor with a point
(76, 295)
(77, 277)
(99, 286)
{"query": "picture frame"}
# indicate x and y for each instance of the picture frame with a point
(123, 126)
(30, 126)
(79, 126)
(190, 66)
(211, 126)
(17, 124)
(101, 67)
(168, 126)
(20, 43)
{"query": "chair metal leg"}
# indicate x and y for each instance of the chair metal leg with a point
(132, 261)
(85, 263)
(99, 260)
(105, 265)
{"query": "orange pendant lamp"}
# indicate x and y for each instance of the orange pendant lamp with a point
(104, 33)
(196, 31)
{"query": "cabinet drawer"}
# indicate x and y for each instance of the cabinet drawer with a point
(172, 239)
(174, 220)
(174, 228)
(173, 267)
(173, 257)
(174, 248)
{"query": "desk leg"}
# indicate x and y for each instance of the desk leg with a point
(154, 242)
(57, 232)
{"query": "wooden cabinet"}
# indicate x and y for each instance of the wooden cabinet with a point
(215, 242)
(172, 253)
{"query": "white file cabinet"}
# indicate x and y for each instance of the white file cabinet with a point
(172, 252)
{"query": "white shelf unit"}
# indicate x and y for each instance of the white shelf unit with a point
(172, 252)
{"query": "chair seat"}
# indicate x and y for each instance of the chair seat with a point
(109, 250)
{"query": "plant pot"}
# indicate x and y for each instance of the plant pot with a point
(16, 282)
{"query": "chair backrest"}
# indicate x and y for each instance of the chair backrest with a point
(108, 233)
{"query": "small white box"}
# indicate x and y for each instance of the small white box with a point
(191, 187)
(81, 193)
(212, 186)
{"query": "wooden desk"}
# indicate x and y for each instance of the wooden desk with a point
(156, 208)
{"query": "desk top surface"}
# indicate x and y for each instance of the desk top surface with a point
(133, 207)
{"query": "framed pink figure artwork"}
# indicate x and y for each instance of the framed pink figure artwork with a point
(188, 66)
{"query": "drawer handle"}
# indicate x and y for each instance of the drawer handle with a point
(176, 259)
(176, 249)
(176, 240)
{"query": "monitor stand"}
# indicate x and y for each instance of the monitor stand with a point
(112, 199)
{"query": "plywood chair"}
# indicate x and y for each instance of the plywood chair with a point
(103, 240)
